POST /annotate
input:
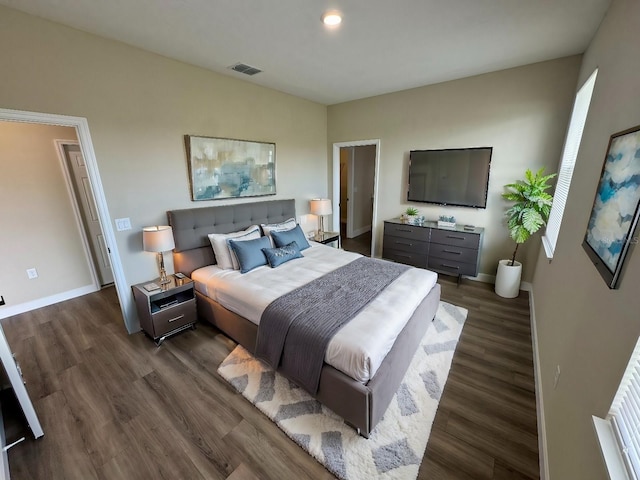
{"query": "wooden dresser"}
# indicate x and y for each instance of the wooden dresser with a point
(452, 251)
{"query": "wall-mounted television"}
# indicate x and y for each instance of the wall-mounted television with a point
(458, 177)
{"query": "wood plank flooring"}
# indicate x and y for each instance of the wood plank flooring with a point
(113, 406)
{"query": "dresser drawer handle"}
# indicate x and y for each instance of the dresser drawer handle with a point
(449, 266)
(404, 230)
(455, 237)
(451, 251)
(176, 318)
(404, 243)
(403, 256)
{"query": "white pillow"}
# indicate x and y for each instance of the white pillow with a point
(224, 257)
(267, 228)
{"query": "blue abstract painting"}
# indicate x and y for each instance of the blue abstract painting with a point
(615, 209)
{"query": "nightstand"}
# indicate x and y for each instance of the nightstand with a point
(166, 310)
(327, 237)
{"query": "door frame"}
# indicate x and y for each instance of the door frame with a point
(64, 164)
(86, 146)
(336, 184)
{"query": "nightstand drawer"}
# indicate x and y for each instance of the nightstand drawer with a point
(405, 244)
(452, 237)
(455, 253)
(174, 317)
(408, 258)
(406, 231)
(451, 267)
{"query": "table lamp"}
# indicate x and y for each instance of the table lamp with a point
(321, 207)
(158, 239)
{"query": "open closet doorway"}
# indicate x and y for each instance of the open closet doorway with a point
(355, 187)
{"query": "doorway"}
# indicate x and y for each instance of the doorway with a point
(77, 177)
(355, 183)
(84, 139)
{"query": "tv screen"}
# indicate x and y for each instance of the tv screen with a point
(457, 177)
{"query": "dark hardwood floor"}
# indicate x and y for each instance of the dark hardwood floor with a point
(113, 406)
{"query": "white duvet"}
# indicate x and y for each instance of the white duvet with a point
(361, 345)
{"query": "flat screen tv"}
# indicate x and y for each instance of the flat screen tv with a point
(458, 177)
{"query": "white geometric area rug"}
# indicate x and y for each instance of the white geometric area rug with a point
(395, 448)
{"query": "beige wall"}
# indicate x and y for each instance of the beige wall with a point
(39, 229)
(522, 113)
(139, 106)
(583, 326)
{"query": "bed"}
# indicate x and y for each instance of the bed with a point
(361, 401)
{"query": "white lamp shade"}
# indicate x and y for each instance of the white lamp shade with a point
(157, 239)
(321, 206)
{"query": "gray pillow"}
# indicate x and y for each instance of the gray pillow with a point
(282, 239)
(249, 253)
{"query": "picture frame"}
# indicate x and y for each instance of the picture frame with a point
(223, 168)
(611, 231)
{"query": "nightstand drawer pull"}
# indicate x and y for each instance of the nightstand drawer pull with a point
(452, 251)
(176, 318)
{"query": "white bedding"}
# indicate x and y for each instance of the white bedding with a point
(361, 345)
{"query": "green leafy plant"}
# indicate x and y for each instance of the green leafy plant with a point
(531, 208)
(412, 211)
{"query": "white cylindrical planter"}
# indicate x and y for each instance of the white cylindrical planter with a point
(508, 279)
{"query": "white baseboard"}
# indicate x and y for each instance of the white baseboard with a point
(542, 430)
(486, 278)
(43, 302)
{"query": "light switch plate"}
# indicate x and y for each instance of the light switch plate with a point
(123, 224)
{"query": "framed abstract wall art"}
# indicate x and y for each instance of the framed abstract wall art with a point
(611, 232)
(229, 168)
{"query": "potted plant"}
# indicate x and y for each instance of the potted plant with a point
(529, 212)
(410, 215)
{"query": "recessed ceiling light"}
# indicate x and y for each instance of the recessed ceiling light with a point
(331, 18)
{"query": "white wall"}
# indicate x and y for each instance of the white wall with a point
(584, 327)
(139, 106)
(521, 112)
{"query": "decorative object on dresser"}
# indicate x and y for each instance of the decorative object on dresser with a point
(610, 236)
(321, 207)
(445, 221)
(525, 217)
(412, 216)
(230, 168)
(159, 240)
(167, 310)
(450, 251)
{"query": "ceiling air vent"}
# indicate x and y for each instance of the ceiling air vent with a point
(244, 68)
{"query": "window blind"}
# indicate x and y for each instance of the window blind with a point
(625, 414)
(568, 162)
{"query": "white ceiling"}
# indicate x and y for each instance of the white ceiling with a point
(381, 46)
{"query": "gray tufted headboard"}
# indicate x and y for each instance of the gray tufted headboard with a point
(192, 225)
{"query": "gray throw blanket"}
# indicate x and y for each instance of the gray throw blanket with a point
(296, 328)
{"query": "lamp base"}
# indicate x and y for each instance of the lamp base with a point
(163, 274)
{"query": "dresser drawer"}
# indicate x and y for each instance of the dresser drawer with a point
(174, 317)
(452, 267)
(453, 252)
(405, 244)
(408, 258)
(452, 237)
(406, 231)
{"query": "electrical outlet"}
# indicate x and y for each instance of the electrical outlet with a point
(556, 377)
(32, 273)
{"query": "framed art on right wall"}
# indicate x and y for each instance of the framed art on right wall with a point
(610, 234)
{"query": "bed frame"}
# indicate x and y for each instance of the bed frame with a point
(361, 405)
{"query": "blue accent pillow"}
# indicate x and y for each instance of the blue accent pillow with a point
(249, 253)
(282, 239)
(278, 256)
